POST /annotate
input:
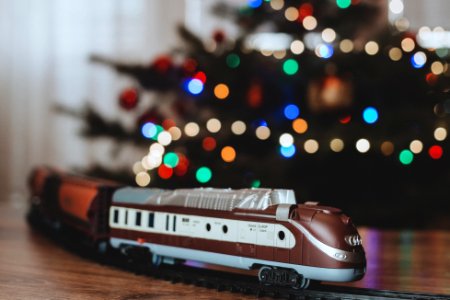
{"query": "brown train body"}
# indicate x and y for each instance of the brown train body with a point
(261, 229)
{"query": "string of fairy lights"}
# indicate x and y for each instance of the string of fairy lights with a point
(324, 44)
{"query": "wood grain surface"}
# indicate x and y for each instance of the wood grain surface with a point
(34, 267)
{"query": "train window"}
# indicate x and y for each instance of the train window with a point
(151, 220)
(225, 228)
(167, 222)
(116, 216)
(281, 235)
(174, 225)
(138, 218)
(208, 227)
(126, 217)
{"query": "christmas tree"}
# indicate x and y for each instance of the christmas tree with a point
(324, 97)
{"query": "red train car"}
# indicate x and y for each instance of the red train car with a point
(72, 202)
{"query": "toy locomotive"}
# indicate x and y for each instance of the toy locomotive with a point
(264, 229)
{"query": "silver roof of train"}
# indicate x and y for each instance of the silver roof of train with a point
(206, 198)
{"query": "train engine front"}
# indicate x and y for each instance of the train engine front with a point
(332, 247)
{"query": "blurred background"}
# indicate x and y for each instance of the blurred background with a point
(345, 101)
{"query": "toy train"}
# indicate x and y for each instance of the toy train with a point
(264, 229)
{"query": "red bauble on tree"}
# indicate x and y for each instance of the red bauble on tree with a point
(129, 98)
(219, 36)
(162, 64)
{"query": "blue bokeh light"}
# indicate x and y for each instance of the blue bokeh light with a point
(418, 60)
(194, 86)
(288, 152)
(370, 115)
(291, 111)
(254, 3)
(326, 51)
(149, 130)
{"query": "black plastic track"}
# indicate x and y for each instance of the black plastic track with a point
(224, 281)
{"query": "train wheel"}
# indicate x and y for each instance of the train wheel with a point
(264, 275)
(299, 282)
(156, 260)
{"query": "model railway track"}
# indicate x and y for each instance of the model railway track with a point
(225, 281)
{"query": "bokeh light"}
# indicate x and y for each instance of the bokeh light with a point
(171, 159)
(387, 148)
(309, 23)
(287, 152)
(395, 54)
(291, 111)
(213, 125)
(363, 145)
(346, 46)
(290, 66)
(238, 127)
(165, 172)
(324, 51)
(233, 60)
(291, 14)
(300, 125)
(277, 4)
(142, 179)
(297, 47)
(221, 91)
(137, 167)
(337, 145)
(156, 149)
(164, 138)
(396, 6)
(371, 48)
(406, 157)
(311, 146)
(209, 143)
(191, 129)
(418, 60)
(149, 130)
(175, 132)
(408, 44)
(328, 35)
(343, 3)
(440, 133)
(195, 86)
(254, 3)
(203, 174)
(370, 115)
(262, 132)
(435, 152)
(437, 68)
(286, 140)
(416, 146)
(228, 154)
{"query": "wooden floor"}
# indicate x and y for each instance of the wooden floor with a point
(34, 267)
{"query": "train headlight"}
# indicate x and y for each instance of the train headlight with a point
(353, 240)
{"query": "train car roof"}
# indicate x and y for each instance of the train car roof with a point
(206, 198)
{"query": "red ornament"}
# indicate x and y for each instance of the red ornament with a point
(219, 36)
(190, 66)
(129, 98)
(163, 64)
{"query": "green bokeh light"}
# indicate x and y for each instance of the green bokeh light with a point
(159, 129)
(233, 60)
(256, 183)
(406, 157)
(171, 159)
(343, 3)
(203, 174)
(290, 66)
